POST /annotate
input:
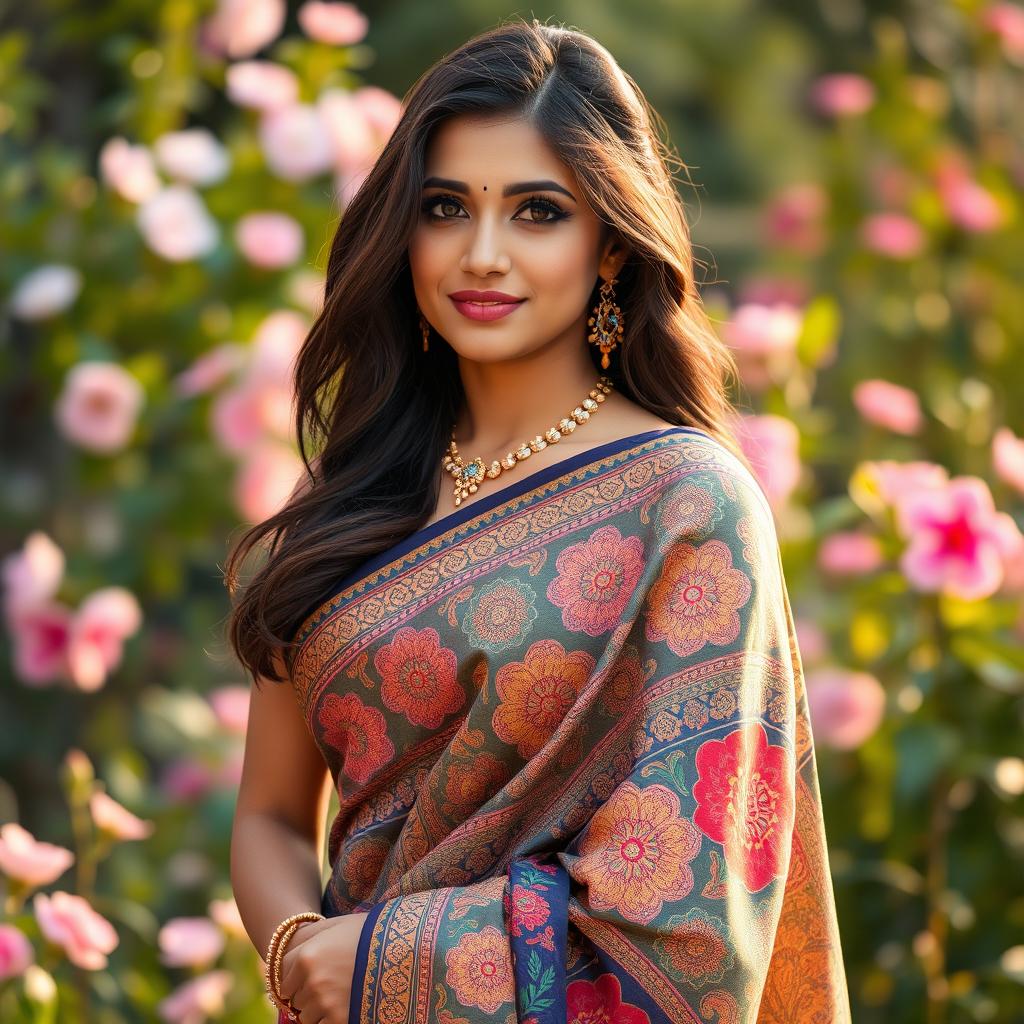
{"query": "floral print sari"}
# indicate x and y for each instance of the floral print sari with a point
(576, 777)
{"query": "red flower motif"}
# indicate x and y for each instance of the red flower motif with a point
(419, 677)
(600, 1002)
(744, 796)
(359, 734)
(529, 909)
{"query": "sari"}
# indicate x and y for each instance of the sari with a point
(571, 745)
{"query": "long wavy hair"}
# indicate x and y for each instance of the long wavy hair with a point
(375, 410)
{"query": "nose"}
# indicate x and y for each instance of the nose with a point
(485, 253)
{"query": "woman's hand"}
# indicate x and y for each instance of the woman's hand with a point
(316, 971)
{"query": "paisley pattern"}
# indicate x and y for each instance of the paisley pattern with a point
(575, 773)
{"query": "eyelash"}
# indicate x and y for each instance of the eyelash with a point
(532, 201)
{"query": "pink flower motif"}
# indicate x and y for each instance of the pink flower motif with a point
(231, 706)
(68, 921)
(269, 240)
(28, 860)
(1006, 20)
(98, 630)
(117, 821)
(40, 634)
(210, 370)
(129, 169)
(45, 291)
(850, 554)
(957, 543)
(772, 444)
(192, 155)
(1008, 457)
(339, 24)
(842, 95)
(176, 225)
(266, 480)
(31, 576)
(261, 84)
(894, 235)
(888, 405)
(241, 28)
(16, 952)
(198, 999)
(99, 406)
(295, 142)
(846, 707)
(795, 217)
(190, 942)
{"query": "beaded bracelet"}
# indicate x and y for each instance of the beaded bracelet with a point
(275, 953)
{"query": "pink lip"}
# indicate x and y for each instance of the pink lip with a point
(479, 311)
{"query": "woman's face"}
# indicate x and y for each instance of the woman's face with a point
(541, 243)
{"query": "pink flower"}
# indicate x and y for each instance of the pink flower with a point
(354, 141)
(261, 84)
(26, 859)
(190, 942)
(98, 406)
(68, 920)
(176, 225)
(888, 405)
(894, 235)
(45, 291)
(1008, 457)
(850, 554)
(40, 634)
(198, 999)
(231, 706)
(892, 481)
(381, 108)
(276, 344)
(795, 217)
(266, 480)
(129, 169)
(32, 575)
(1006, 20)
(225, 913)
(210, 369)
(185, 780)
(98, 630)
(842, 94)
(772, 444)
(116, 820)
(243, 27)
(339, 24)
(16, 952)
(269, 240)
(846, 707)
(957, 542)
(295, 142)
(968, 204)
(192, 155)
(763, 338)
(811, 640)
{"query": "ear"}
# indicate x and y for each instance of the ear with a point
(614, 254)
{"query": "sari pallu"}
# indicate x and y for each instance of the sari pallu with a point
(576, 778)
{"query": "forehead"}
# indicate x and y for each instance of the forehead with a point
(491, 150)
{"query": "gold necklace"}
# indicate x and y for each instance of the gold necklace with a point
(469, 476)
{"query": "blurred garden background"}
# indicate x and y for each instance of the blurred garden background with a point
(170, 176)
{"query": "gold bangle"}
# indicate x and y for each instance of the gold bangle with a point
(283, 931)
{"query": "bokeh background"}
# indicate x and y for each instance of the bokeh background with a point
(170, 176)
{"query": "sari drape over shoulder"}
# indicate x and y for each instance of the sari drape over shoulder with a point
(571, 745)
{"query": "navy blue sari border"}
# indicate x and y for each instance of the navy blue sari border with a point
(359, 968)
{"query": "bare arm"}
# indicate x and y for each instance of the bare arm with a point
(278, 831)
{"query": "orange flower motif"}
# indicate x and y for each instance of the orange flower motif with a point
(636, 852)
(359, 733)
(696, 599)
(537, 692)
(419, 677)
(480, 969)
(469, 785)
(596, 579)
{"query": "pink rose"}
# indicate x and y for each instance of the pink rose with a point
(129, 169)
(842, 94)
(269, 240)
(186, 780)
(795, 217)
(68, 921)
(241, 28)
(846, 707)
(850, 554)
(295, 142)
(889, 406)
(354, 141)
(176, 225)
(31, 576)
(98, 630)
(190, 942)
(1006, 20)
(261, 84)
(117, 821)
(99, 406)
(1008, 457)
(24, 858)
(210, 369)
(225, 913)
(266, 480)
(192, 155)
(339, 24)
(231, 706)
(763, 338)
(40, 634)
(16, 952)
(198, 999)
(772, 445)
(894, 235)
(45, 291)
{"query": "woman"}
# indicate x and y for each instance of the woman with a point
(561, 703)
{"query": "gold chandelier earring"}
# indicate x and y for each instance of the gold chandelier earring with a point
(606, 322)
(425, 328)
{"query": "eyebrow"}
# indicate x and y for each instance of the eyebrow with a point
(515, 189)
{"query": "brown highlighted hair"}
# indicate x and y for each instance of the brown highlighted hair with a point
(374, 412)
